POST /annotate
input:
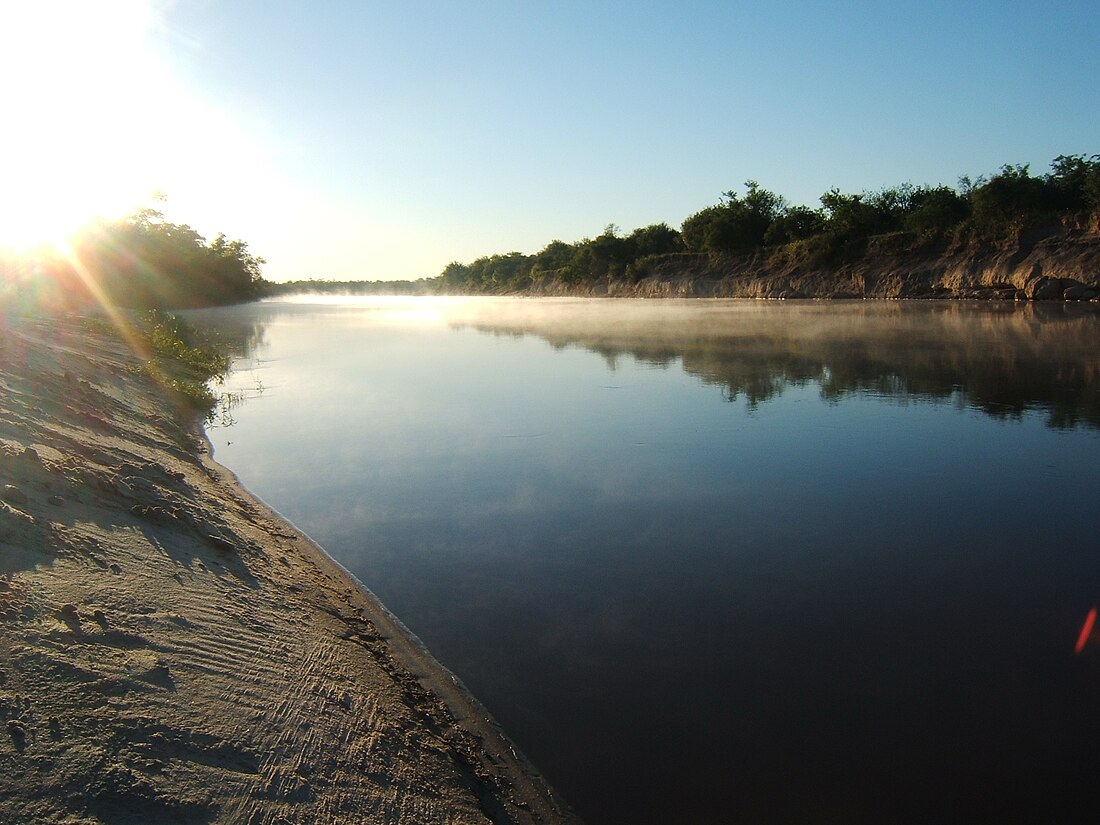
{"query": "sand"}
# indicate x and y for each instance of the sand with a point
(173, 651)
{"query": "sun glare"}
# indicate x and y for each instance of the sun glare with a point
(65, 66)
(95, 123)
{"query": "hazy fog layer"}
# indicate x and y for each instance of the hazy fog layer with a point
(776, 562)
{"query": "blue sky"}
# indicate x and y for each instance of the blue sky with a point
(382, 140)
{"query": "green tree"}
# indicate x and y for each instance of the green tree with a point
(455, 275)
(849, 216)
(605, 256)
(146, 261)
(1011, 200)
(936, 210)
(1076, 181)
(796, 223)
(655, 239)
(738, 224)
(697, 228)
(554, 256)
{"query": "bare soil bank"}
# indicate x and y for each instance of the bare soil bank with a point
(1061, 263)
(173, 651)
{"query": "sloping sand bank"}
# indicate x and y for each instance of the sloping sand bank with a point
(172, 651)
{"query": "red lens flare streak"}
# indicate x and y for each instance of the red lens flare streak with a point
(1086, 631)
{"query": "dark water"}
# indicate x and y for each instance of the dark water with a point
(717, 561)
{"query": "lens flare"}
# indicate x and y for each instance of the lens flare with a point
(1086, 631)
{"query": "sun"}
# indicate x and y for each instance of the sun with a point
(74, 80)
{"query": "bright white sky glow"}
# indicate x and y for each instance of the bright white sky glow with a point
(57, 161)
(95, 123)
(366, 140)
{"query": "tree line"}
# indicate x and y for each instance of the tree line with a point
(982, 210)
(141, 261)
(145, 261)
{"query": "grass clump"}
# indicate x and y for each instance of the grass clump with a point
(182, 362)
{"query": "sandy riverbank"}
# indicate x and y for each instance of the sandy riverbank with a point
(173, 651)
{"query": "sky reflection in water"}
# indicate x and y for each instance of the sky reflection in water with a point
(716, 560)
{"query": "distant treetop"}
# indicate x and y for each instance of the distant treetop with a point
(990, 209)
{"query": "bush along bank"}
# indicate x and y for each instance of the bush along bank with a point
(1013, 235)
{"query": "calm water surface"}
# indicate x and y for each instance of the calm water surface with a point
(716, 561)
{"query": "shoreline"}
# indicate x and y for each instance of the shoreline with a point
(175, 650)
(432, 674)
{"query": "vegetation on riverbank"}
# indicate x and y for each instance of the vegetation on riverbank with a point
(142, 261)
(125, 276)
(184, 362)
(751, 244)
(846, 227)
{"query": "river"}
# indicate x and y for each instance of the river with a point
(715, 560)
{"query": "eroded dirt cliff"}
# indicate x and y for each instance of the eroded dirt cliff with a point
(1059, 263)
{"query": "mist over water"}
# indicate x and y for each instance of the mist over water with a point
(713, 560)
